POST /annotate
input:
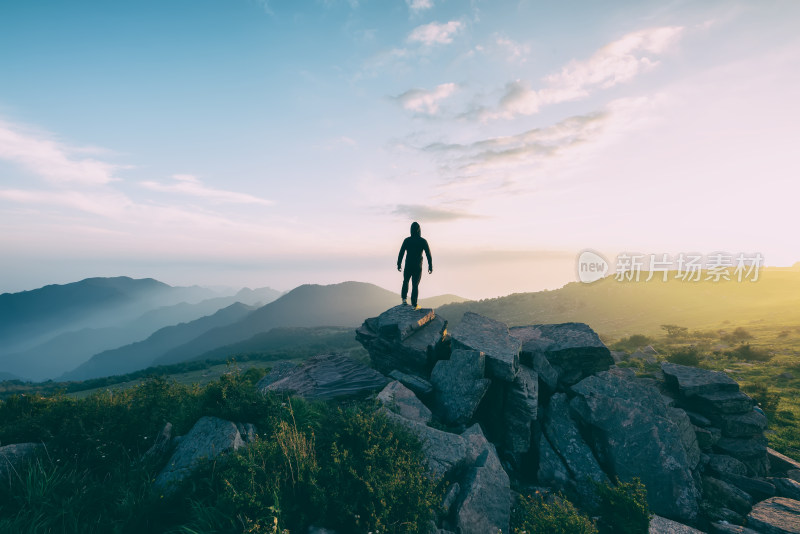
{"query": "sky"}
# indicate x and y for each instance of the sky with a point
(275, 143)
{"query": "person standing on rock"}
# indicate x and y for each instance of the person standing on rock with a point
(413, 247)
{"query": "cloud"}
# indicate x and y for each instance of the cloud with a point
(188, 184)
(427, 213)
(618, 62)
(424, 101)
(435, 33)
(417, 6)
(54, 161)
(513, 51)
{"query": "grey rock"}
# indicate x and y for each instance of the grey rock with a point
(399, 399)
(520, 410)
(724, 515)
(780, 463)
(459, 385)
(776, 515)
(757, 488)
(721, 402)
(548, 376)
(566, 440)
(13, 456)
(450, 497)
(662, 525)
(476, 332)
(328, 376)
(691, 381)
(444, 451)
(634, 437)
(742, 425)
(418, 385)
(553, 471)
(720, 465)
(573, 349)
(745, 449)
(644, 356)
(619, 356)
(721, 492)
(727, 528)
(414, 354)
(279, 370)
(698, 419)
(786, 487)
(400, 322)
(686, 434)
(705, 438)
(793, 474)
(160, 445)
(486, 505)
(207, 439)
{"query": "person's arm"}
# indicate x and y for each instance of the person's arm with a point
(428, 255)
(400, 256)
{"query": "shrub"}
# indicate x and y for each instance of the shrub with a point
(532, 515)
(632, 343)
(739, 335)
(749, 354)
(767, 398)
(623, 508)
(686, 356)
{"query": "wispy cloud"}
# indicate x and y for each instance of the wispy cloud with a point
(425, 101)
(417, 6)
(50, 159)
(432, 214)
(435, 33)
(187, 184)
(618, 62)
(513, 51)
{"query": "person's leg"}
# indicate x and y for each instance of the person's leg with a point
(415, 277)
(404, 290)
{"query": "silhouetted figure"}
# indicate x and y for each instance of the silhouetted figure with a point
(413, 247)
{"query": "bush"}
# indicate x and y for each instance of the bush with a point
(623, 508)
(686, 356)
(632, 343)
(749, 354)
(532, 515)
(739, 335)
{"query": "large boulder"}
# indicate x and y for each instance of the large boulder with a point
(459, 385)
(401, 400)
(777, 515)
(633, 436)
(324, 377)
(691, 381)
(208, 438)
(403, 339)
(662, 525)
(521, 409)
(565, 438)
(573, 349)
(476, 332)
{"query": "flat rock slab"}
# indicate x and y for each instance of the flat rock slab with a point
(328, 376)
(777, 515)
(412, 352)
(208, 438)
(476, 332)
(780, 463)
(574, 349)
(722, 402)
(418, 385)
(786, 487)
(662, 525)
(742, 425)
(400, 322)
(12, 456)
(690, 381)
(399, 399)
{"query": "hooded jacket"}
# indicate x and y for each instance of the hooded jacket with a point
(414, 246)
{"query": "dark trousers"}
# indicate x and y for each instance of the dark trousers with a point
(414, 275)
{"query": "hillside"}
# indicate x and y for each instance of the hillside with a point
(618, 309)
(143, 353)
(344, 305)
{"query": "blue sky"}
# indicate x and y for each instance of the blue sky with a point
(253, 142)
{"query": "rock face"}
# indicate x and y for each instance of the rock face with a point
(573, 349)
(491, 337)
(401, 400)
(207, 439)
(633, 436)
(325, 377)
(403, 338)
(459, 385)
(777, 515)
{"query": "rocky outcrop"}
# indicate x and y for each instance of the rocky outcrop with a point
(777, 515)
(476, 332)
(459, 385)
(403, 338)
(324, 377)
(399, 399)
(207, 439)
(573, 349)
